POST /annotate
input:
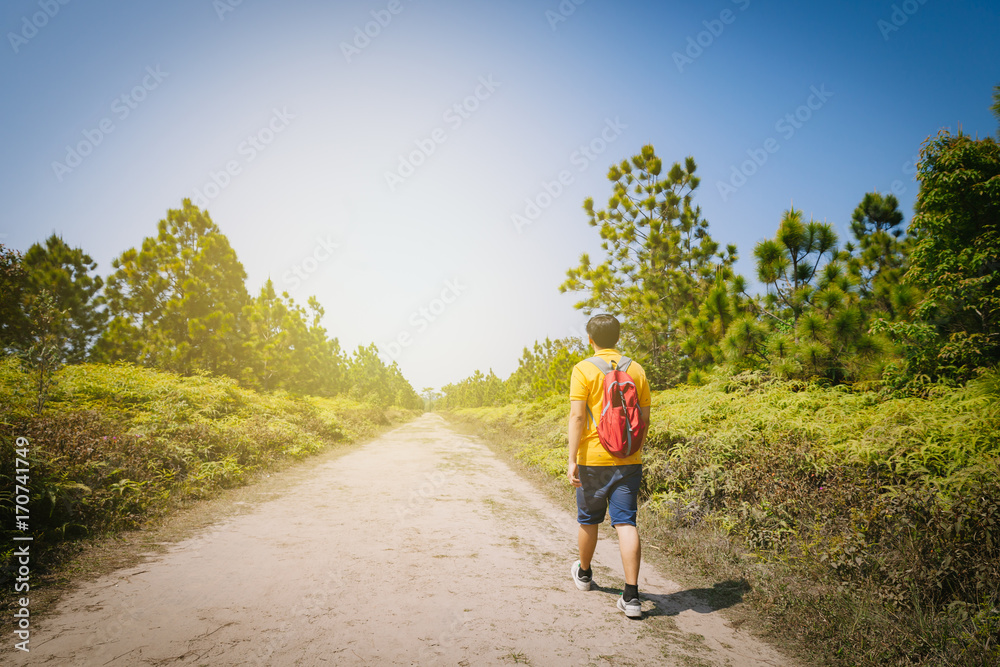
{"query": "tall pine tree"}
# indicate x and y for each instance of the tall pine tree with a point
(660, 262)
(177, 302)
(64, 274)
(878, 260)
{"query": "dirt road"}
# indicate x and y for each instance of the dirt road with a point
(419, 548)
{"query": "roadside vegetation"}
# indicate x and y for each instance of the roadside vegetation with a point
(833, 440)
(161, 383)
(118, 445)
(868, 530)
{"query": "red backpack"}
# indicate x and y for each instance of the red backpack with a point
(620, 429)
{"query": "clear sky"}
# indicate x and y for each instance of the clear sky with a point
(380, 171)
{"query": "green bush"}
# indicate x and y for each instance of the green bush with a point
(879, 516)
(120, 444)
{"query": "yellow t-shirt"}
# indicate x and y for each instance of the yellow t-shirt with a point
(587, 384)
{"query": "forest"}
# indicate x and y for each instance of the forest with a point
(895, 308)
(179, 303)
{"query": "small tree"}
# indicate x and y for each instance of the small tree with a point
(475, 391)
(704, 333)
(44, 353)
(788, 263)
(379, 384)
(996, 105)
(810, 323)
(430, 396)
(878, 261)
(545, 369)
(267, 347)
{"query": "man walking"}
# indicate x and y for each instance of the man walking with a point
(604, 482)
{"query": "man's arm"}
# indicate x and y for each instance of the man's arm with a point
(577, 421)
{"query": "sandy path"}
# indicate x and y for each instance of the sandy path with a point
(418, 548)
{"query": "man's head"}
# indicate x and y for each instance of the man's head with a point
(604, 330)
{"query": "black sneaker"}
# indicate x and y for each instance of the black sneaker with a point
(583, 583)
(632, 608)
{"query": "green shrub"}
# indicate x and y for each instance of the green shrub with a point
(880, 514)
(119, 444)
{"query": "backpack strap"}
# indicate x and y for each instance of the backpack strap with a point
(606, 368)
(623, 363)
(602, 365)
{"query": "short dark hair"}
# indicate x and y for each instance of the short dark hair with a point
(604, 330)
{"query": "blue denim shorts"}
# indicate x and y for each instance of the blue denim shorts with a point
(604, 487)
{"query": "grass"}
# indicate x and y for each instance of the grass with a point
(118, 446)
(867, 529)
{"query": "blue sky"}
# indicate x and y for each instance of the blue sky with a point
(287, 119)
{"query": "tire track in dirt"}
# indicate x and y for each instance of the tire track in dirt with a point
(418, 548)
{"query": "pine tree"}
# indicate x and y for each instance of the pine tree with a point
(372, 381)
(315, 365)
(787, 264)
(725, 303)
(177, 302)
(545, 369)
(996, 105)
(810, 323)
(660, 261)
(878, 262)
(64, 274)
(267, 339)
(45, 348)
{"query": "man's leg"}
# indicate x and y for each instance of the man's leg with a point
(586, 539)
(591, 510)
(631, 549)
(623, 506)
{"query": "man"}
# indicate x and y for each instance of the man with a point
(603, 481)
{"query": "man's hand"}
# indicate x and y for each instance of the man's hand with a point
(573, 473)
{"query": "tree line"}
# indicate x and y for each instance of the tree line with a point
(179, 303)
(892, 307)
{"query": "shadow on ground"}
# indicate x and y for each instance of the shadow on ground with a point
(701, 600)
